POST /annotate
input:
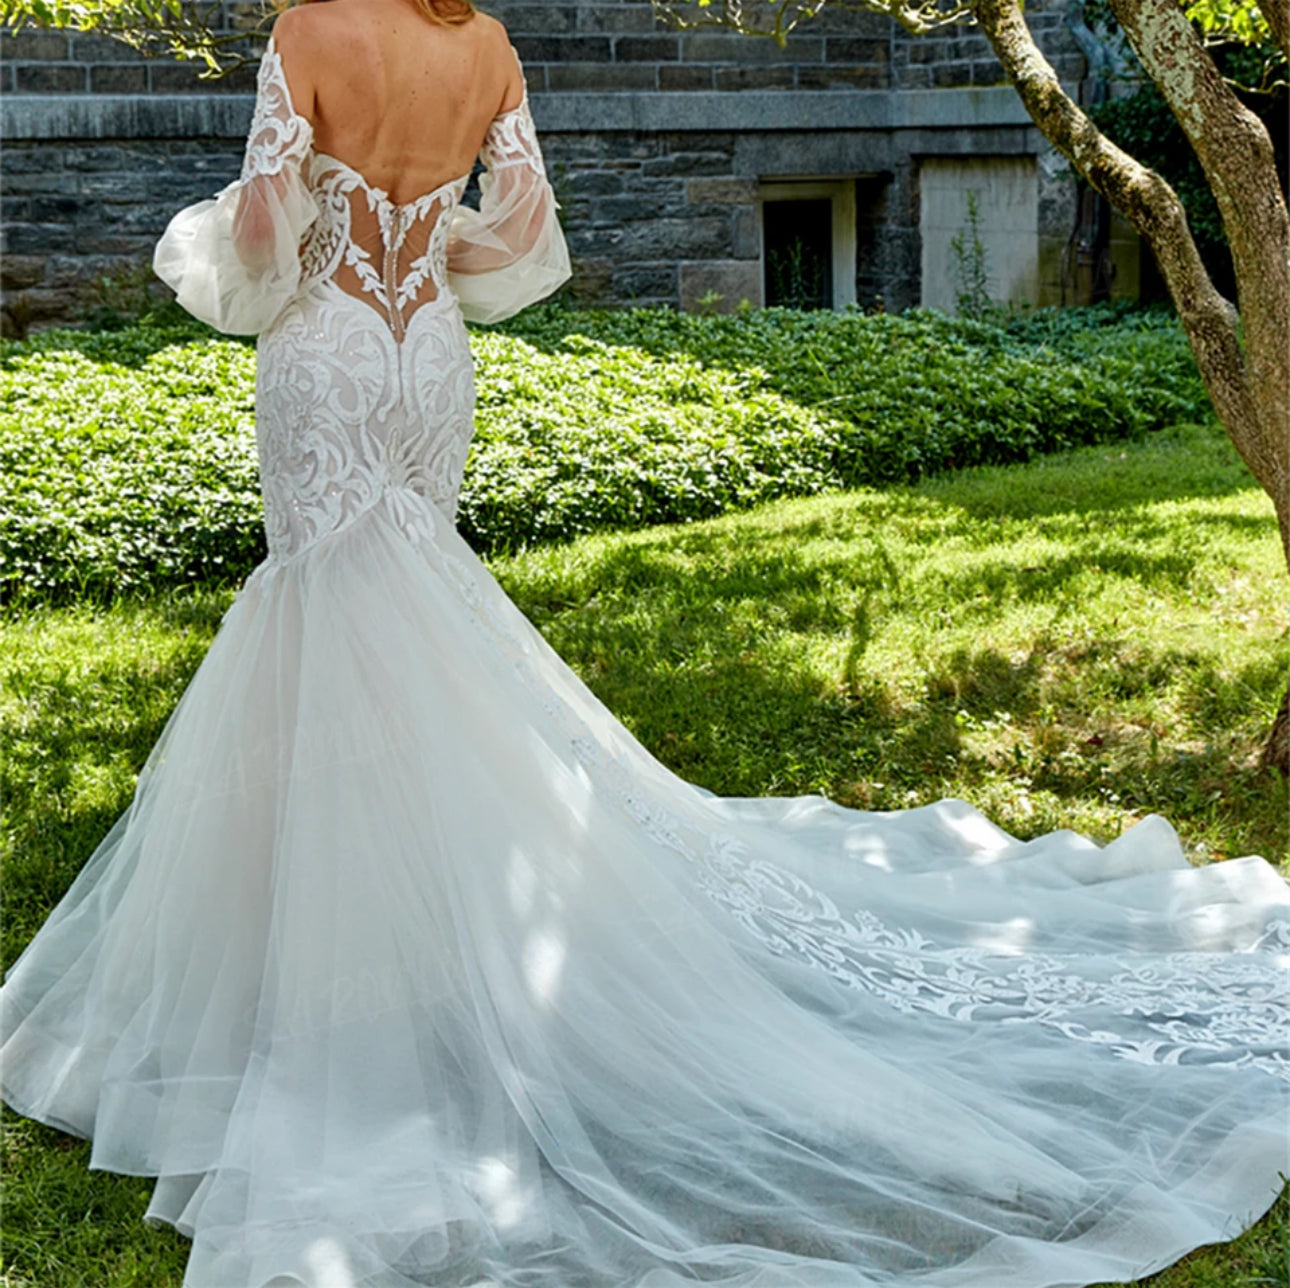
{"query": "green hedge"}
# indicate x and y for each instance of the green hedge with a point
(127, 457)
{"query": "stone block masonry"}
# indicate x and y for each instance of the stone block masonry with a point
(78, 212)
(659, 144)
(593, 46)
(64, 63)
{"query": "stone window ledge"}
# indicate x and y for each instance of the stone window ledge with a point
(227, 116)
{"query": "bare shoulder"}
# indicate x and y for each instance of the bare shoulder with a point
(496, 39)
(491, 28)
(300, 38)
(303, 30)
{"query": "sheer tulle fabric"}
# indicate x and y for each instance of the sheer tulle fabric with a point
(410, 966)
(509, 253)
(234, 261)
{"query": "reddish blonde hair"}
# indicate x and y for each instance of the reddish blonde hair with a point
(450, 12)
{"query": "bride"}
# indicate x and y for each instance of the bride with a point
(409, 966)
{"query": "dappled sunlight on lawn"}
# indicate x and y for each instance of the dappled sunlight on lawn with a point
(890, 648)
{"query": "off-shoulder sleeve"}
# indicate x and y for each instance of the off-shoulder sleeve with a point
(510, 252)
(234, 261)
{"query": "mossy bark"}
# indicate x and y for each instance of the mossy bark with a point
(1276, 752)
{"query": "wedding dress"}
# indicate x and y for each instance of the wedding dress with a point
(408, 965)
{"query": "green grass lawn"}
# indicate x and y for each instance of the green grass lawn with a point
(1070, 643)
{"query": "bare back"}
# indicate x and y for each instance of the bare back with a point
(404, 101)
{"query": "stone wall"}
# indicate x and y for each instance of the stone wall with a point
(955, 57)
(659, 144)
(569, 46)
(598, 45)
(83, 206)
(63, 63)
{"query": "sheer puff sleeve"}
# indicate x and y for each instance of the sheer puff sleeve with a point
(511, 251)
(234, 261)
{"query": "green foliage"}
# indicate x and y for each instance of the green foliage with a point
(584, 433)
(189, 30)
(900, 397)
(1142, 124)
(123, 467)
(134, 292)
(971, 270)
(798, 275)
(1236, 20)
(1122, 327)
(1239, 27)
(127, 458)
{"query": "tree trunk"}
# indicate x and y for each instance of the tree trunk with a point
(1235, 152)
(1249, 384)
(1276, 754)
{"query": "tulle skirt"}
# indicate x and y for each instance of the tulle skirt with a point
(409, 966)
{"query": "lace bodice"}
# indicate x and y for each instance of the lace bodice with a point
(365, 390)
(297, 217)
(393, 255)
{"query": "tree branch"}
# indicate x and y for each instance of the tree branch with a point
(1277, 14)
(1236, 154)
(1209, 321)
(189, 30)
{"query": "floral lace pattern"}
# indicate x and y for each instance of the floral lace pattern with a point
(346, 414)
(278, 137)
(1215, 1007)
(354, 402)
(395, 287)
(1182, 1007)
(513, 140)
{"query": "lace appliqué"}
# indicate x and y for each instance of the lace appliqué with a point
(356, 406)
(349, 418)
(331, 243)
(512, 140)
(278, 136)
(1226, 1008)
(1192, 1007)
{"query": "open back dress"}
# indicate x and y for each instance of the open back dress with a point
(408, 965)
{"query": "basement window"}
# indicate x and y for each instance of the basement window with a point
(809, 243)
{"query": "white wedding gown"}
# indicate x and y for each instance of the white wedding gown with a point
(409, 966)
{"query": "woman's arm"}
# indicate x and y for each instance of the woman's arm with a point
(511, 251)
(255, 230)
(234, 261)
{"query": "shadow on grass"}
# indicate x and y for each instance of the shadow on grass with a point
(685, 654)
(1146, 553)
